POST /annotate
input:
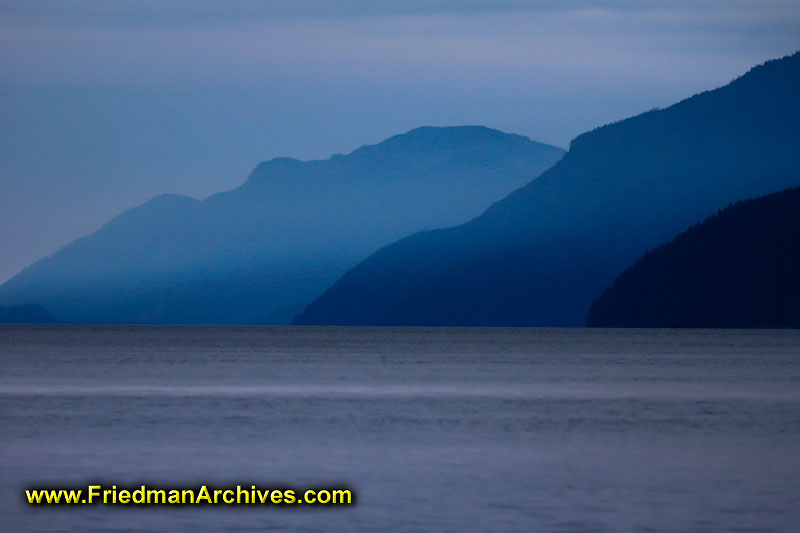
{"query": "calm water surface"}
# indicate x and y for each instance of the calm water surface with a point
(434, 429)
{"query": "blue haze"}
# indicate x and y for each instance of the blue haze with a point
(106, 104)
(543, 254)
(259, 253)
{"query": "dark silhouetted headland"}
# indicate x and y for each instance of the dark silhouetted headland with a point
(737, 269)
(260, 253)
(543, 254)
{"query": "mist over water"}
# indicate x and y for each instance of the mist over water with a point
(434, 429)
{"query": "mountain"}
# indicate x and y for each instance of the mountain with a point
(544, 253)
(261, 252)
(737, 269)
(25, 314)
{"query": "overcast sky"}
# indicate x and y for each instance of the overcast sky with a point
(105, 103)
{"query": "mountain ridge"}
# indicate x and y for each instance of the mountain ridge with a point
(737, 268)
(543, 253)
(279, 239)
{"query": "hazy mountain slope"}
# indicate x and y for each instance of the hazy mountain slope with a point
(256, 253)
(25, 314)
(737, 269)
(544, 253)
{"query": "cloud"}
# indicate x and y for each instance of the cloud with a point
(246, 42)
(213, 12)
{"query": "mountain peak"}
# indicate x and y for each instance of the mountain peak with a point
(419, 146)
(431, 135)
(277, 163)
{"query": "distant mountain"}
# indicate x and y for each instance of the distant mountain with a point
(25, 314)
(261, 252)
(544, 253)
(738, 269)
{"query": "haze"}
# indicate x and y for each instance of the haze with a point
(104, 104)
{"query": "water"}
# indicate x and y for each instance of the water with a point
(433, 429)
